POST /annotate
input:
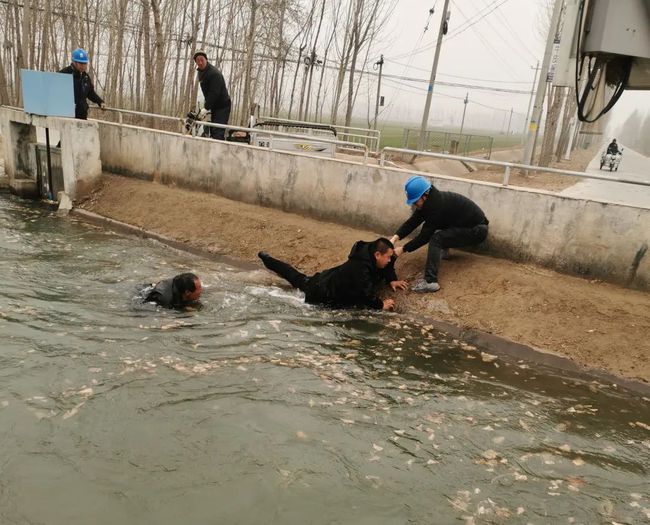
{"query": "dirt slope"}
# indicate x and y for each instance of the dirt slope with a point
(593, 323)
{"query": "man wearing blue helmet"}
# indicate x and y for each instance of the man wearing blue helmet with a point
(450, 220)
(83, 86)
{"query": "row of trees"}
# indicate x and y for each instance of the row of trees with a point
(635, 132)
(304, 58)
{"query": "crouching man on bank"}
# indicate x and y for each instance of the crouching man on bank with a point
(353, 284)
(450, 220)
(178, 292)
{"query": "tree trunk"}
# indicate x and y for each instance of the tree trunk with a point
(550, 129)
(567, 119)
(159, 74)
(250, 50)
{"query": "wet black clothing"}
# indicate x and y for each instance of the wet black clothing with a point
(353, 284)
(450, 221)
(165, 294)
(83, 89)
(217, 99)
(612, 148)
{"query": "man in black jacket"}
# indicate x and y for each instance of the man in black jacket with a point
(450, 221)
(178, 292)
(612, 149)
(353, 284)
(83, 85)
(217, 99)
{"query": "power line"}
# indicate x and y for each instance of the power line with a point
(464, 77)
(418, 91)
(499, 34)
(470, 23)
(512, 31)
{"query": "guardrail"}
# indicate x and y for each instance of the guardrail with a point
(372, 136)
(338, 143)
(507, 165)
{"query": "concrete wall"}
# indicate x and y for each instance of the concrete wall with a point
(595, 239)
(80, 159)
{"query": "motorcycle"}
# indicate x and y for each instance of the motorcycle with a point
(194, 127)
(611, 160)
(192, 123)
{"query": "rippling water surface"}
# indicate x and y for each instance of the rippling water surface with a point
(259, 409)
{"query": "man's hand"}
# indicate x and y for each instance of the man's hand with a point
(394, 239)
(398, 285)
(102, 106)
(389, 304)
(399, 250)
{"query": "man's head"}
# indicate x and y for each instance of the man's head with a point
(382, 250)
(201, 60)
(188, 286)
(80, 59)
(417, 190)
(614, 141)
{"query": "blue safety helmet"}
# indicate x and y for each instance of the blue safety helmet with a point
(415, 187)
(80, 55)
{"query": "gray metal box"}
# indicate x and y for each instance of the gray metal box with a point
(621, 27)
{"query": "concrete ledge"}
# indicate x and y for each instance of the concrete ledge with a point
(592, 239)
(80, 157)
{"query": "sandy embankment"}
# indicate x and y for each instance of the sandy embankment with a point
(593, 323)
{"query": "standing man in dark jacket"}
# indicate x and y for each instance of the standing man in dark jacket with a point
(83, 86)
(450, 221)
(178, 292)
(353, 284)
(217, 99)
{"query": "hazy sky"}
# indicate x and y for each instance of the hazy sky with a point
(499, 50)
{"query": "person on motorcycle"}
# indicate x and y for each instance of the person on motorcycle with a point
(612, 149)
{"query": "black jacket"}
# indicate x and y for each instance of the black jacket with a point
(165, 294)
(612, 148)
(353, 284)
(441, 210)
(83, 89)
(214, 88)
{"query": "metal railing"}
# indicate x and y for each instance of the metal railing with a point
(507, 165)
(450, 143)
(341, 144)
(370, 137)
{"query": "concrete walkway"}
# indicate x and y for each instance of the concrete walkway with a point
(633, 166)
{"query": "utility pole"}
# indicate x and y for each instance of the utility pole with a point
(530, 102)
(541, 84)
(379, 63)
(509, 121)
(462, 122)
(425, 117)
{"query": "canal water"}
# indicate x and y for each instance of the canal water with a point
(256, 408)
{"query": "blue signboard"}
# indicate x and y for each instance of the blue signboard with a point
(49, 94)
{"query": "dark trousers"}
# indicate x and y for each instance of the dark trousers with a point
(450, 238)
(219, 116)
(286, 271)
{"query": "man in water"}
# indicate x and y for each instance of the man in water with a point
(178, 292)
(450, 220)
(353, 284)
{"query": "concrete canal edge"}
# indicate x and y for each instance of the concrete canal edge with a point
(509, 351)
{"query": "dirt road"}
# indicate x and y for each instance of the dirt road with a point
(593, 323)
